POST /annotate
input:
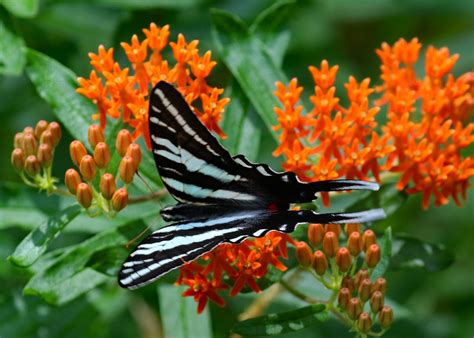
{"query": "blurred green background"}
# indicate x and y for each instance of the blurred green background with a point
(341, 31)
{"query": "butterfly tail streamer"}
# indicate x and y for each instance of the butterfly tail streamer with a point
(371, 215)
(341, 185)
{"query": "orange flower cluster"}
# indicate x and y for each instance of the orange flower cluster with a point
(237, 264)
(425, 150)
(117, 93)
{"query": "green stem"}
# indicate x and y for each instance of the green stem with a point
(298, 294)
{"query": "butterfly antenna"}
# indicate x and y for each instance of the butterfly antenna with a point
(148, 187)
(130, 242)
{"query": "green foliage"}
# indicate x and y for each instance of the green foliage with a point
(21, 8)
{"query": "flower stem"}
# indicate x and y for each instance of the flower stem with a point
(298, 294)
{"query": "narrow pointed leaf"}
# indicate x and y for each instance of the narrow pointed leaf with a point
(12, 48)
(21, 8)
(386, 247)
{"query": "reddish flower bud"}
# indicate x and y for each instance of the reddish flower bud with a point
(77, 151)
(120, 199)
(380, 284)
(55, 130)
(344, 297)
(376, 301)
(18, 140)
(330, 244)
(365, 289)
(368, 238)
(354, 243)
(354, 308)
(32, 166)
(315, 234)
(30, 145)
(336, 228)
(18, 159)
(124, 139)
(135, 153)
(72, 180)
(348, 282)
(107, 186)
(84, 195)
(372, 255)
(127, 169)
(364, 323)
(45, 155)
(386, 317)
(41, 126)
(47, 138)
(95, 135)
(101, 155)
(87, 167)
(28, 130)
(303, 254)
(320, 262)
(343, 259)
(360, 276)
(352, 227)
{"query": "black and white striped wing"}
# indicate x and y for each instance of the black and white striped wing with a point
(172, 246)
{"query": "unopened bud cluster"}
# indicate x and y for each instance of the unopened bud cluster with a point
(33, 154)
(93, 185)
(362, 301)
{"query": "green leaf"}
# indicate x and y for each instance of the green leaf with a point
(284, 322)
(386, 247)
(57, 84)
(179, 316)
(68, 276)
(143, 4)
(412, 253)
(12, 48)
(37, 241)
(21, 8)
(250, 62)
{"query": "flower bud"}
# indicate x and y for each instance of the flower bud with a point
(84, 195)
(77, 151)
(380, 284)
(354, 308)
(72, 180)
(344, 297)
(315, 234)
(135, 153)
(365, 289)
(364, 323)
(32, 166)
(330, 244)
(30, 145)
(28, 130)
(120, 199)
(368, 238)
(320, 262)
(343, 259)
(41, 126)
(45, 155)
(107, 186)
(372, 255)
(354, 243)
(352, 227)
(376, 301)
(101, 155)
(87, 167)
(124, 139)
(55, 130)
(336, 228)
(386, 317)
(47, 138)
(303, 254)
(127, 169)
(18, 159)
(18, 140)
(360, 276)
(348, 282)
(95, 135)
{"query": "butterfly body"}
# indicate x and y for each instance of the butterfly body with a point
(221, 198)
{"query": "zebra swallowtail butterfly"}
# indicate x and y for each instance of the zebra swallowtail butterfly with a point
(221, 199)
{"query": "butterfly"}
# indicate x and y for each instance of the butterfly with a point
(221, 198)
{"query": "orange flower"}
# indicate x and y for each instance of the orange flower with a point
(201, 289)
(122, 92)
